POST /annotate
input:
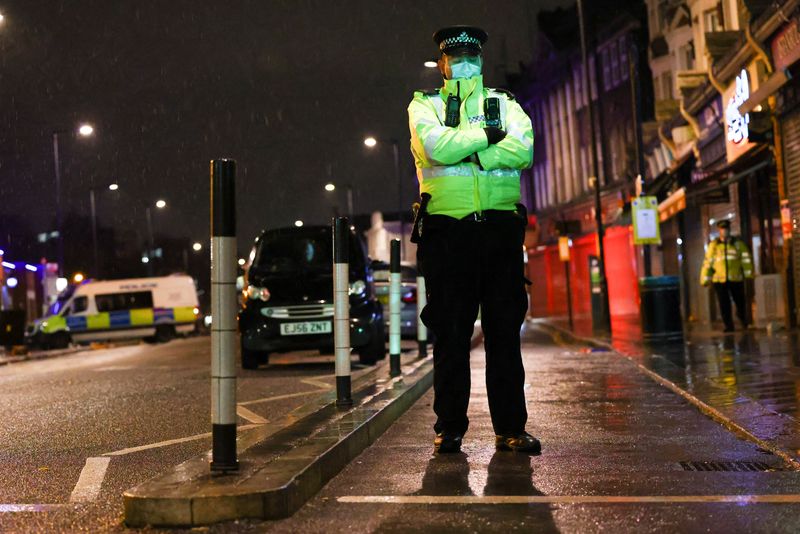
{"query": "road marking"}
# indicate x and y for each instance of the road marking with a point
(568, 499)
(169, 442)
(281, 397)
(248, 415)
(92, 475)
(318, 383)
(22, 508)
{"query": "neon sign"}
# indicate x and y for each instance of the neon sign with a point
(738, 123)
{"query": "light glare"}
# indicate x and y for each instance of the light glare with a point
(86, 130)
(242, 262)
(431, 64)
(78, 278)
(113, 187)
(298, 223)
(370, 142)
(197, 247)
(161, 204)
(330, 187)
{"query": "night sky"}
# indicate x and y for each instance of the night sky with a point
(289, 89)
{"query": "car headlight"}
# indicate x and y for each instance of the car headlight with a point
(359, 287)
(256, 293)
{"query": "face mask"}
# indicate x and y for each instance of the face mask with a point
(466, 68)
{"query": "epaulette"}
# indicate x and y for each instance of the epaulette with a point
(508, 94)
(429, 92)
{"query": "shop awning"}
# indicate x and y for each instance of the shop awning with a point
(765, 90)
(673, 204)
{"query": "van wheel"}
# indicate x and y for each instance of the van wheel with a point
(164, 333)
(252, 358)
(376, 348)
(59, 340)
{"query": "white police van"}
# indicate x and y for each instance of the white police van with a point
(147, 308)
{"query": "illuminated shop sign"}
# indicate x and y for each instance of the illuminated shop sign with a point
(737, 123)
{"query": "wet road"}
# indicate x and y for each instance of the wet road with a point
(78, 430)
(621, 454)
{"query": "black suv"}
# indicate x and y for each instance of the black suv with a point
(288, 297)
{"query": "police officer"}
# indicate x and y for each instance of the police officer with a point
(469, 144)
(726, 265)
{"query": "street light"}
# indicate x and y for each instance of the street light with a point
(85, 130)
(197, 247)
(332, 187)
(371, 142)
(298, 223)
(160, 204)
(93, 209)
(431, 64)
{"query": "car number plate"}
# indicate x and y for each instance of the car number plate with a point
(309, 327)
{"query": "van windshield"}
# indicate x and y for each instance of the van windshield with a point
(62, 299)
(286, 254)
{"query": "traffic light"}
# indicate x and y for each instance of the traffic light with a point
(760, 127)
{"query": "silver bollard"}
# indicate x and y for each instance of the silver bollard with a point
(341, 309)
(395, 283)
(422, 330)
(223, 312)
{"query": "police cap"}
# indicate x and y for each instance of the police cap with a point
(460, 38)
(724, 223)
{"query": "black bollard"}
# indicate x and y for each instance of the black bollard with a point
(223, 313)
(395, 283)
(341, 309)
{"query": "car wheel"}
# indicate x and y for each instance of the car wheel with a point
(164, 333)
(251, 359)
(376, 348)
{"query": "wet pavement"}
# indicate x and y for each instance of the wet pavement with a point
(750, 376)
(620, 453)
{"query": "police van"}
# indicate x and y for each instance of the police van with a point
(154, 309)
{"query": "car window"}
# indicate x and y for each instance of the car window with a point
(285, 253)
(66, 311)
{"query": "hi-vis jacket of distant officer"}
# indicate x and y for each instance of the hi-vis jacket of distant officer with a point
(469, 145)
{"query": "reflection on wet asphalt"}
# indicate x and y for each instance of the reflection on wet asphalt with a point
(608, 431)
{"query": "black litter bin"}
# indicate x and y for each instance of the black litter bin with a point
(661, 308)
(12, 328)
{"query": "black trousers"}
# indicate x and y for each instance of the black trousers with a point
(467, 265)
(725, 292)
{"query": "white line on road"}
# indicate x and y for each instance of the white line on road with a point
(568, 499)
(92, 475)
(160, 444)
(27, 508)
(281, 397)
(251, 416)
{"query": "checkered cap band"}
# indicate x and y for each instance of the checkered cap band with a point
(463, 39)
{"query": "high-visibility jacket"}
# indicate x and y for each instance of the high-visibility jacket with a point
(726, 261)
(456, 165)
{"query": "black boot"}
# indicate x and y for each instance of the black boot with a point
(446, 442)
(523, 442)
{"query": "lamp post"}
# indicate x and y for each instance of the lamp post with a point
(85, 130)
(93, 207)
(160, 204)
(598, 205)
(371, 142)
(330, 187)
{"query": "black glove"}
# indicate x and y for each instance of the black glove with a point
(494, 134)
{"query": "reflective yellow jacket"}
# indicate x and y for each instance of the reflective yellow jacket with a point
(726, 261)
(490, 176)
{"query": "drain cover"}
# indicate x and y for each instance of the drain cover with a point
(728, 466)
